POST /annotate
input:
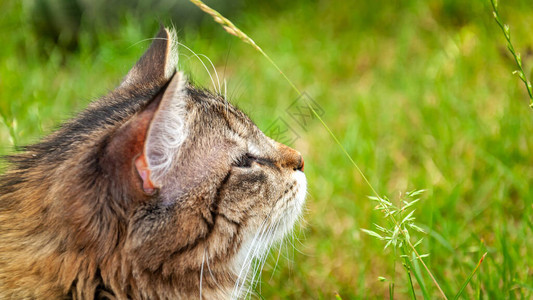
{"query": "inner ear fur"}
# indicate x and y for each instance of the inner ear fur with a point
(142, 150)
(125, 150)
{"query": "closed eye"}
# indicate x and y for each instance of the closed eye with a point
(245, 161)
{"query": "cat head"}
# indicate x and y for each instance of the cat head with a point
(200, 184)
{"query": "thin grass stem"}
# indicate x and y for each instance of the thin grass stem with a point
(234, 30)
(518, 59)
(407, 267)
(470, 277)
(418, 277)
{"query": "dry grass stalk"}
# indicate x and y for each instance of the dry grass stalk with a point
(232, 29)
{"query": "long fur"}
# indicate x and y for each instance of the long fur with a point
(76, 222)
(167, 131)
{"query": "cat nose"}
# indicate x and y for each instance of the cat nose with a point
(301, 165)
(291, 158)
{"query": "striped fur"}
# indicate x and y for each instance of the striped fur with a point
(80, 219)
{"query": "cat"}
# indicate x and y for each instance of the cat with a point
(158, 190)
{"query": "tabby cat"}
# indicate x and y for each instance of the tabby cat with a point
(158, 190)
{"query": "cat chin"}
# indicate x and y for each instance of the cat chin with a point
(287, 211)
(278, 225)
(290, 209)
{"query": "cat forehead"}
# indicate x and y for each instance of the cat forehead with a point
(239, 127)
(210, 103)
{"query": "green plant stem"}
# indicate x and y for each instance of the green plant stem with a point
(358, 170)
(470, 277)
(427, 269)
(414, 251)
(418, 277)
(411, 286)
(234, 30)
(518, 60)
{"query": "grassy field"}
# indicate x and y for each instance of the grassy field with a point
(420, 93)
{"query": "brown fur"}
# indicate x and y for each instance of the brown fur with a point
(75, 221)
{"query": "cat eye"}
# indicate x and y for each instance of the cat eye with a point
(245, 161)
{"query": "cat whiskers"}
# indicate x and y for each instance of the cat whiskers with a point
(226, 95)
(211, 272)
(255, 262)
(241, 277)
(146, 40)
(219, 90)
(281, 244)
(202, 274)
(262, 257)
(253, 250)
(256, 257)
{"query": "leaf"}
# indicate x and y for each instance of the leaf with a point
(395, 233)
(384, 230)
(470, 277)
(415, 193)
(408, 204)
(387, 244)
(415, 227)
(418, 243)
(408, 217)
(373, 198)
(418, 276)
(390, 212)
(372, 233)
(407, 235)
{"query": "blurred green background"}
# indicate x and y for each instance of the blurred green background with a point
(419, 92)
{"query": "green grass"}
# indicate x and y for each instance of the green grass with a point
(420, 94)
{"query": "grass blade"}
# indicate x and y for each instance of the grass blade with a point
(418, 277)
(470, 277)
(408, 267)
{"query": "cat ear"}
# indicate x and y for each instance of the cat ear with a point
(141, 151)
(157, 64)
(166, 133)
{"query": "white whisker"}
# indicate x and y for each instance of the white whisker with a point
(216, 73)
(145, 40)
(226, 90)
(241, 278)
(263, 256)
(211, 273)
(277, 259)
(202, 62)
(202, 275)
